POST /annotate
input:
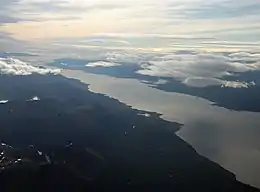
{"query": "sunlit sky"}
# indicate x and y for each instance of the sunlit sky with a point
(218, 24)
(216, 37)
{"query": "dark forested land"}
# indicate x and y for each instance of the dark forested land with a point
(70, 139)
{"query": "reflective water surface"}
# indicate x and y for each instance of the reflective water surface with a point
(227, 137)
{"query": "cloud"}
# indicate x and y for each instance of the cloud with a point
(35, 98)
(160, 82)
(7, 3)
(245, 57)
(224, 9)
(45, 10)
(237, 84)
(102, 64)
(183, 65)
(124, 57)
(102, 41)
(143, 114)
(10, 66)
(202, 69)
(192, 19)
(8, 19)
(9, 44)
(191, 67)
(3, 101)
(204, 82)
(70, 6)
(6, 13)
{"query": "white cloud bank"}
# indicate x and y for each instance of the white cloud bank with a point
(3, 101)
(203, 82)
(35, 98)
(202, 69)
(11, 66)
(195, 65)
(102, 64)
(237, 84)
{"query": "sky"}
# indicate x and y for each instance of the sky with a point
(148, 32)
(226, 24)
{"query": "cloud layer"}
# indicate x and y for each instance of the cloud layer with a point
(101, 64)
(10, 66)
(225, 24)
(203, 69)
(35, 98)
(193, 68)
(3, 101)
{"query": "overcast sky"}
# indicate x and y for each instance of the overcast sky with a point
(207, 24)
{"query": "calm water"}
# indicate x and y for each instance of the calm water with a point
(227, 137)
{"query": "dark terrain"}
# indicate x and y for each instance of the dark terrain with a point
(75, 140)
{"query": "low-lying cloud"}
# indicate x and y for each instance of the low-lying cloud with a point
(237, 84)
(196, 69)
(192, 68)
(35, 98)
(11, 66)
(102, 64)
(3, 101)
(197, 65)
(204, 82)
(203, 69)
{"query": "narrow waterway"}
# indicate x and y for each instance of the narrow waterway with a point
(227, 137)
